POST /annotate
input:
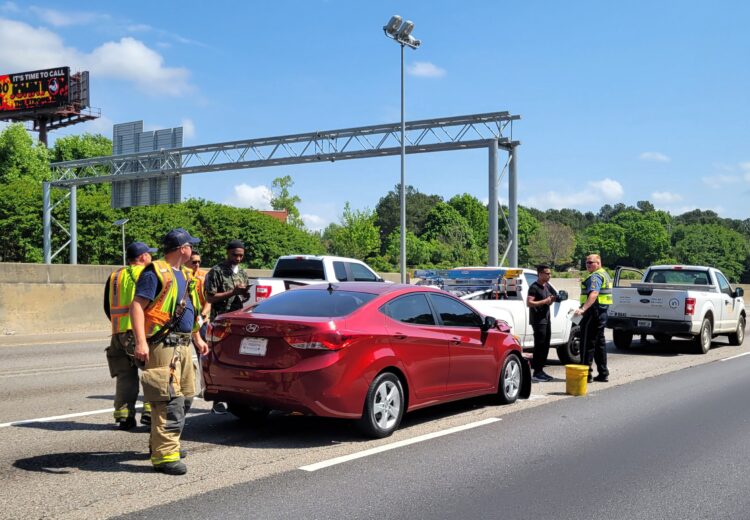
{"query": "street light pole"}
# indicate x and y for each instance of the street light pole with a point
(121, 222)
(401, 33)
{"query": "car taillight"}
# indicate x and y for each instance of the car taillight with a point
(329, 340)
(689, 306)
(217, 331)
(262, 292)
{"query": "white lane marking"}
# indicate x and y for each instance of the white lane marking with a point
(735, 357)
(51, 370)
(394, 445)
(534, 397)
(62, 342)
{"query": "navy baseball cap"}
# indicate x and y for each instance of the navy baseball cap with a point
(136, 249)
(178, 237)
(235, 244)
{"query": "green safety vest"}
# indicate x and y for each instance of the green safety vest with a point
(121, 293)
(605, 293)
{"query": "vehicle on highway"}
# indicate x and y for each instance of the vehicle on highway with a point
(501, 292)
(293, 271)
(675, 300)
(362, 351)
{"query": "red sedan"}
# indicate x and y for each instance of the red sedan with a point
(363, 351)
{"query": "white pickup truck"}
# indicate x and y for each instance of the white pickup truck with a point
(501, 292)
(295, 270)
(675, 300)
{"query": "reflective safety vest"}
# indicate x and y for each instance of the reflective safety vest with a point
(605, 293)
(200, 283)
(121, 293)
(162, 308)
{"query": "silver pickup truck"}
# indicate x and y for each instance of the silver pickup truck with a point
(675, 300)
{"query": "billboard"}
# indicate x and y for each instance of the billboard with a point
(34, 90)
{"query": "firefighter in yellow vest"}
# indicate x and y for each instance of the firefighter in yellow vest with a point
(165, 314)
(118, 294)
(596, 297)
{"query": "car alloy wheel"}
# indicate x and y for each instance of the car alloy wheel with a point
(384, 406)
(510, 380)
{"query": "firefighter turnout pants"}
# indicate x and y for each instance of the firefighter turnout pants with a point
(122, 368)
(169, 385)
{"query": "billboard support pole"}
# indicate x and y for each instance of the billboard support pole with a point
(492, 204)
(73, 226)
(47, 223)
(42, 125)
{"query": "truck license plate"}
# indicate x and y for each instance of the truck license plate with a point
(253, 346)
(644, 323)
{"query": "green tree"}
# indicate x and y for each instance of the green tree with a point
(646, 238)
(607, 240)
(475, 213)
(357, 236)
(21, 220)
(528, 226)
(74, 147)
(284, 200)
(713, 245)
(20, 157)
(553, 244)
(388, 211)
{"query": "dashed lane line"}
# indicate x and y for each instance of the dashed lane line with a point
(735, 357)
(394, 445)
(103, 341)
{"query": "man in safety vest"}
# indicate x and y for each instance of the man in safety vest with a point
(596, 297)
(118, 294)
(165, 314)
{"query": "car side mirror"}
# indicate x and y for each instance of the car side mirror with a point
(562, 296)
(739, 292)
(489, 323)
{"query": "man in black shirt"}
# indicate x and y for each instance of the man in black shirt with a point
(541, 296)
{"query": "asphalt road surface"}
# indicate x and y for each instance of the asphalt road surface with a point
(62, 457)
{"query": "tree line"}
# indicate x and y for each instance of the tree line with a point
(440, 233)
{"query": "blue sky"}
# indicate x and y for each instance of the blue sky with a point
(620, 101)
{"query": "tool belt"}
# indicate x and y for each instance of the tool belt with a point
(177, 339)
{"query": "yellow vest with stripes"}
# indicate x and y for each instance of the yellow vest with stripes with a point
(121, 293)
(162, 308)
(605, 293)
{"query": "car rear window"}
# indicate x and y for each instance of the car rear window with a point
(689, 276)
(304, 268)
(314, 304)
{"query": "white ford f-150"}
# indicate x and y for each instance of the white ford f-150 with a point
(501, 292)
(676, 300)
(295, 270)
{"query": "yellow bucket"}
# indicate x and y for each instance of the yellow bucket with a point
(575, 379)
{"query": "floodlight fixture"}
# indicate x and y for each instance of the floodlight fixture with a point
(391, 28)
(406, 28)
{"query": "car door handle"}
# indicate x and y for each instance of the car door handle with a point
(398, 335)
(455, 340)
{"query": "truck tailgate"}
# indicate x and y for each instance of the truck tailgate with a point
(646, 301)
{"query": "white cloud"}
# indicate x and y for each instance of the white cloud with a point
(23, 47)
(67, 18)
(246, 196)
(666, 197)
(314, 222)
(654, 156)
(188, 128)
(598, 192)
(425, 69)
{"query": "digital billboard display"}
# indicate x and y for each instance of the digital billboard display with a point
(34, 90)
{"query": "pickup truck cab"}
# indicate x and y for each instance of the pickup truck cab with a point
(293, 271)
(675, 300)
(501, 292)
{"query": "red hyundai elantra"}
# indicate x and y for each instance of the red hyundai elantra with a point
(363, 351)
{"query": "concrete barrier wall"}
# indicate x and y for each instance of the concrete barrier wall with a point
(41, 299)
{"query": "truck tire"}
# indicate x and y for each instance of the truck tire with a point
(569, 353)
(738, 336)
(702, 342)
(622, 339)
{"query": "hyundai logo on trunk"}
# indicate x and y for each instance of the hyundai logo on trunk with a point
(251, 327)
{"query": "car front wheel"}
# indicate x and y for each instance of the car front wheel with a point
(384, 406)
(511, 379)
(738, 336)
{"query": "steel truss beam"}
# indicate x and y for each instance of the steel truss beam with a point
(428, 135)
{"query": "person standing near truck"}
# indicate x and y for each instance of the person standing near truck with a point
(541, 296)
(227, 289)
(596, 297)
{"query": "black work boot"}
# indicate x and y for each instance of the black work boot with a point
(171, 468)
(126, 424)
